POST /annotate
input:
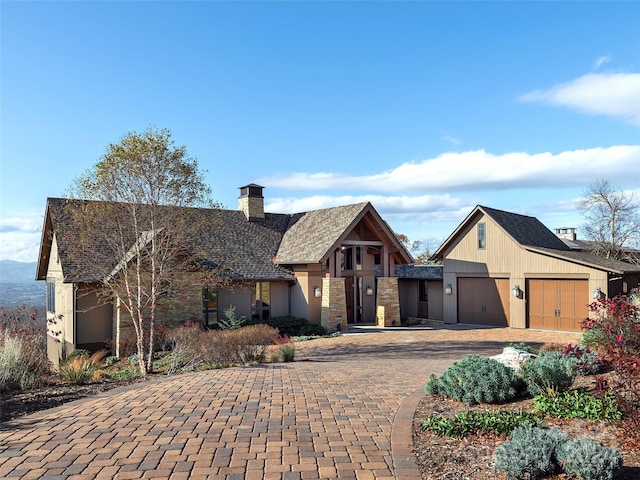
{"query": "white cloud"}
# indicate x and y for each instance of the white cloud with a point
(17, 224)
(479, 170)
(452, 139)
(611, 94)
(395, 204)
(19, 239)
(601, 61)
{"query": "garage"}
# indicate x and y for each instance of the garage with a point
(483, 301)
(555, 304)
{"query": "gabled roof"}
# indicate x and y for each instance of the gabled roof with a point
(312, 236)
(524, 229)
(76, 266)
(532, 235)
(244, 250)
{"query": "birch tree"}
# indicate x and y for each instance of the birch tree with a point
(139, 229)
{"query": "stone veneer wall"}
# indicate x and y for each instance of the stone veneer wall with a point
(334, 304)
(388, 302)
(252, 207)
(188, 307)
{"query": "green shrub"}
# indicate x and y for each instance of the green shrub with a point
(286, 325)
(431, 388)
(594, 337)
(578, 404)
(313, 330)
(522, 347)
(587, 362)
(286, 349)
(231, 321)
(496, 422)
(476, 379)
(134, 360)
(78, 352)
(548, 374)
(287, 352)
(589, 459)
(127, 374)
(81, 368)
(110, 360)
(530, 454)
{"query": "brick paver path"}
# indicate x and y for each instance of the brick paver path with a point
(342, 410)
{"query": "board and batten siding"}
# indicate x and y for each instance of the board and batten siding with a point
(59, 323)
(504, 258)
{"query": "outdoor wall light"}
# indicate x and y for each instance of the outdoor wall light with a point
(317, 292)
(448, 289)
(597, 294)
(369, 290)
(516, 291)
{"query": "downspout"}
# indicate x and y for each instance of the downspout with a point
(74, 322)
(291, 285)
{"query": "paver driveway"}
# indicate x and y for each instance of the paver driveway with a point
(343, 410)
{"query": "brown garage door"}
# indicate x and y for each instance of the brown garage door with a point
(483, 301)
(557, 304)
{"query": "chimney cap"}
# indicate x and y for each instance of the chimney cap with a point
(251, 190)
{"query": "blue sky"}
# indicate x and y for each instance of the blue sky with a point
(424, 108)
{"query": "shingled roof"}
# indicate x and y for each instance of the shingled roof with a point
(589, 259)
(532, 235)
(78, 263)
(525, 230)
(310, 235)
(244, 250)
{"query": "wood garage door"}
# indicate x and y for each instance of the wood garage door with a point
(557, 304)
(483, 301)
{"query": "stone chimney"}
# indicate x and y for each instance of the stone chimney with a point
(566, 233)
(251, 202)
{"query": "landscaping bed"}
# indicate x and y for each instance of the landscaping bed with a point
(22, 402)
(471, 458)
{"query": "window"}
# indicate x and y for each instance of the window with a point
(352, 258)
(482, 240)
(51, 295)
(261, 301)
(423, 294)
(210, 306)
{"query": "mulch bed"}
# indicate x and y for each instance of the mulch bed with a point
(14, 404)
(471, 458)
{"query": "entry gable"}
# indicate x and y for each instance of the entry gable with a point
(312, 236)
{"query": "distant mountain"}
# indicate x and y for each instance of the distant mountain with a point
(18, 285)
(17, 272)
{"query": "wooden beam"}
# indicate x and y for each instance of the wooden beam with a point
(362, 243)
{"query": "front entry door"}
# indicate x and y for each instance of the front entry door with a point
(349, 298)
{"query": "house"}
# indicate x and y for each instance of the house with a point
(334, 267)
(506, 269)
